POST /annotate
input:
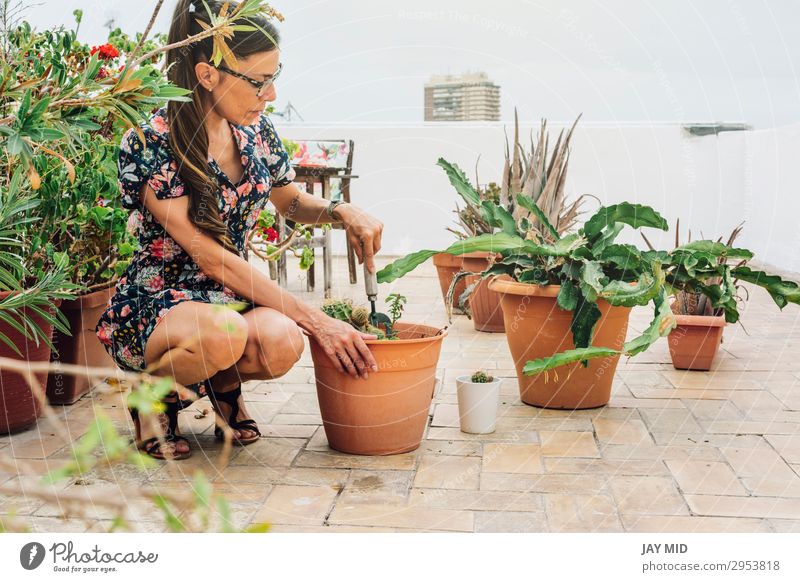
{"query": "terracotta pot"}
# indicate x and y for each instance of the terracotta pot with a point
(83, 348)
(385, 414)
(694, 343)
(18, 407)
(487, 315)
(537, 328)
(447, 266)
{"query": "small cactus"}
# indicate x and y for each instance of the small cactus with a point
(359, 316)
(481, 377)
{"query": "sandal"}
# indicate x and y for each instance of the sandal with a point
(152, 446)
(231, 398)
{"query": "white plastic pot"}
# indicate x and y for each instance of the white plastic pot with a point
(477, 404)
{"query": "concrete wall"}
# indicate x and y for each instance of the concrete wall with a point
(712, 183)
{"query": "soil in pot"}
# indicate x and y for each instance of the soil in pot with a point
(19, 409)
(537, 328)
(385, 414)
(83, 348)
(694, 343)
(487, 315)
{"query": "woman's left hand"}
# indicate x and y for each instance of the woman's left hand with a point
(364, 232)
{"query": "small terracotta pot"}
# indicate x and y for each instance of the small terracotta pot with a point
(385, 414)
(536, 327)
(18, 407)
(694, 343)
(83, 348)
(487, 315)
(447, 266)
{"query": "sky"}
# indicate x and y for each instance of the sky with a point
(615, 61)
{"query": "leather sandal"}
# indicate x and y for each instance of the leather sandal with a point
(152, 446)
(231, 398)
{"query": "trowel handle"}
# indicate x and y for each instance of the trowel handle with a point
(370, 282)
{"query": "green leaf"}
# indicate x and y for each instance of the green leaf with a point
(782, 292)
(460, 182)
(634, 215)
(533, 367)
(591, 280)
(716, 249)
(624, 256)
(607, 237)
(568, 296)
(499, 217)
(486, 242)
(529, 204)
(584, 319)
(663, 322)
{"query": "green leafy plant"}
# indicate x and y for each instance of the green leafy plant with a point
(689, 302)
(266, 244)
(397, 304)
(481, 377)
(590, 265)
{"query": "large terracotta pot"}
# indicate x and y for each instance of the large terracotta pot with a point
(83, 348)
(484, 303)
(18, 407)
(694, 343)
(536, 327)
(385, 414)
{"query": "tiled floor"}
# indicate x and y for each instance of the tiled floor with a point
(674, 451)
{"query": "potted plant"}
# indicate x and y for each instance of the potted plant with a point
(63, 107)
(695, 341)
(566, 303)
(478, 400)
(28, 301)
(540, 175)
(387, 413)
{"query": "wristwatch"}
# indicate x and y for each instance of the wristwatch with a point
(332, 206)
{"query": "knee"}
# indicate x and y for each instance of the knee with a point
(223, 339)
(280, 349)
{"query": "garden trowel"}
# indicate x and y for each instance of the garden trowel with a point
(375, 319)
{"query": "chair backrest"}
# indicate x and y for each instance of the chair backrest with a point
(333, 153)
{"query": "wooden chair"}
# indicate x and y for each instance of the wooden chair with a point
(314, 164)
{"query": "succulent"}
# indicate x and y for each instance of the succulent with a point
(340, 309)
(481, 377)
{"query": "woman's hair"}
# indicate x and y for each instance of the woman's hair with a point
(188, 139)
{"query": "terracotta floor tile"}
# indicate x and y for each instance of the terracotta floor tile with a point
(568, 444)
(448, 472)
(647, 496)
(295, 504)
(512, 458)
(582, 513)
(418, 518)
(621, 432)
(724, 506)
(706, 477)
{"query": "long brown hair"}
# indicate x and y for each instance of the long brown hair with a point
(187, 133)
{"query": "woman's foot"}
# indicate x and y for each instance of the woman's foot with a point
(229, 404)
(175, 446)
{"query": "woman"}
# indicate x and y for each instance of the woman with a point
(199, 181)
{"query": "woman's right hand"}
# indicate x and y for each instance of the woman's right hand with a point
(344, 345)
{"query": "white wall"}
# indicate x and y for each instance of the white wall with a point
(712, 183)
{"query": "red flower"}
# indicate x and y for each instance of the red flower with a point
(271, 234)
(101, 74)
(107, 51)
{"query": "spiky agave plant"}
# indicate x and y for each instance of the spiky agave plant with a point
(589, 265)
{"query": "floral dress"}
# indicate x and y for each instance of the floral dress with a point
(161, 274)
